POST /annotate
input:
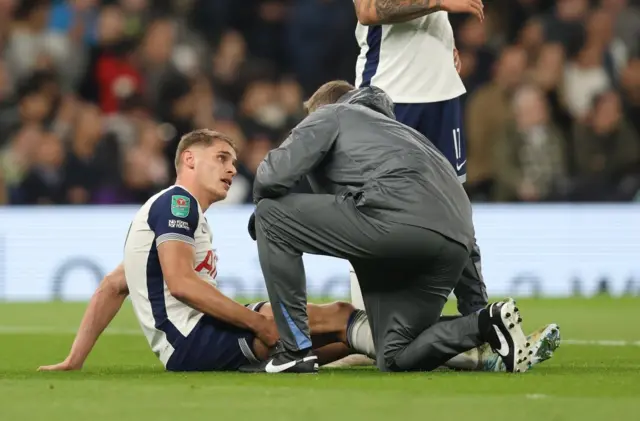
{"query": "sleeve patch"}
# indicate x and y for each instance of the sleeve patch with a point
(180, 206)
(177, 214)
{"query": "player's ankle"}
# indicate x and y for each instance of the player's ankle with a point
(359, 336)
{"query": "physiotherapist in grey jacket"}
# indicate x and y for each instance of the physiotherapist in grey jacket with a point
(388, 201)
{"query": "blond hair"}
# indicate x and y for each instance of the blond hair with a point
(204, 137)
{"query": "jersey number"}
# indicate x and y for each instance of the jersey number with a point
(208, 264)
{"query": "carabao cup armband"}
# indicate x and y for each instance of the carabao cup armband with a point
(174, 217)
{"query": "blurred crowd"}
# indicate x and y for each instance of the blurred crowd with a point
(94, 95)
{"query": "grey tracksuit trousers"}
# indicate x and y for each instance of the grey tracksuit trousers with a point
(406, 274)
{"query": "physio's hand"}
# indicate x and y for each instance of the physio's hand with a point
(464, 6)
(252, 226)
(66, 365)
(267, 331)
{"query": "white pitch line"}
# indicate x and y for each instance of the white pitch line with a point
(599, 342)
(536, 396)
(45, 330)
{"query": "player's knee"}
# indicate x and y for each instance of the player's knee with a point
(342, 308)
(265, 208)
(389, 360)
(329, 317)
(388, 365)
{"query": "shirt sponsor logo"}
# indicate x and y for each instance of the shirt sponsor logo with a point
(173, 223)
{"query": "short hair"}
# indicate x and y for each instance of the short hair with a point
(204, 137)
(329, 93)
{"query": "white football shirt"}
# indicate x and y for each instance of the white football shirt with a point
(412, 61)
(171, 215)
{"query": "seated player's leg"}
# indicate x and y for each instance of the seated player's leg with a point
(214, 345)
(217, 346)
(328, 324)
(347, 357)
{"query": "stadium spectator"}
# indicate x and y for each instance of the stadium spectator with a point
(488, 111)
(531, 39)
(229, 66)
(177, 106)
(608, 153)
(16, 158)
(477, 57)
(88, 157)
(332, 55)
(261, 114)
(45, 183)
(565, 24)
(547, 73)
(32, 45)
(530, 157)
(626, 23)
(34, 105)
(585, 77)
(519, 14)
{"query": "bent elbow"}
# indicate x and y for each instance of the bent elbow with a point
(176, 289)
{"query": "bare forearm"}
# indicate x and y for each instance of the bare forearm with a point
(396, 11)
(103, 307)
(207, 299)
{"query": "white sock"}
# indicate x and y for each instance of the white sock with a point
(359, 335)
(356, 292)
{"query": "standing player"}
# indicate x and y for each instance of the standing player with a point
(408, 50)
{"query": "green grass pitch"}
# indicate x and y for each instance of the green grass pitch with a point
(123, 381)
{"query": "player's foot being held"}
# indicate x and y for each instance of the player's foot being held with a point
(501, 324)
(283, 361)
(544, 342)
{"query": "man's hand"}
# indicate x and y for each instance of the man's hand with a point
(456, 60)
(463, 6)
(65, 365)
(266, 331)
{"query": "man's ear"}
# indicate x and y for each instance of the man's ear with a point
(189, 158)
